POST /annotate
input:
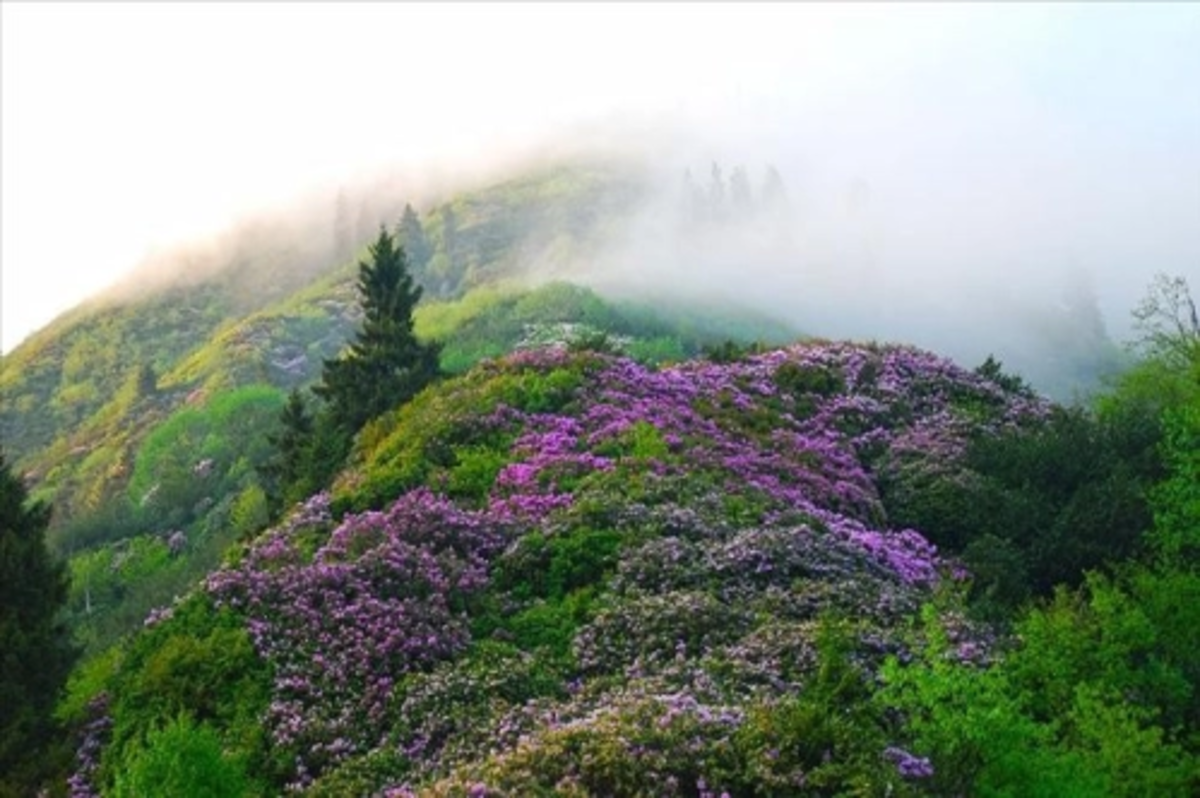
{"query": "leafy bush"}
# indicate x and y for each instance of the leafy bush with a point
(198, 662)
(181, 758)
(1033, 508)
(1074, 710)
(200, 454)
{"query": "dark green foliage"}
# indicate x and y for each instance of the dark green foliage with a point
(293, 451)
(384, 368)
(831, 731)
(116, 519)
(147, 380)
(474, 472)
(730, 351)
(999, 573)
(1071, 495)
(799, 380)
(1176, 500)
(385, 365)
(35, 650)
(547, 627)
(1040, 507)
(993, 370)
(557, 578)
(551, 567)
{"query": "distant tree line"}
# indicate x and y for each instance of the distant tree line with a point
(431, 247)
(719, 199)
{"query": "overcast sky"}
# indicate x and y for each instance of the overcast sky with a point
(1046, 133)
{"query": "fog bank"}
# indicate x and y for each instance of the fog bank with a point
(952, 173)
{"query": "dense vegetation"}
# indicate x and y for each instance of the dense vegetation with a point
(596, 548)
(35, 648)
(115, 414)
(567, 572)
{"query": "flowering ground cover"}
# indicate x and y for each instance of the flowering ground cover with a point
(565, 572)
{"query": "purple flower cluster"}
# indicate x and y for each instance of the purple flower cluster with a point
(376, 600)
(81, 783)
(909, 766)
(748, 493)
(732, 422)
(748, 430)
(710, 607)
(548, 459)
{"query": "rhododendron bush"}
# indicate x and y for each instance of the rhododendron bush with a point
(568, 572)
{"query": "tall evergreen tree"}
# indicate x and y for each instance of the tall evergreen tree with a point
(386, 365)
(35, 649)
(413, 239)
(286, 473)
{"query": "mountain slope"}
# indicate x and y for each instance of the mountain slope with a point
(559, 559)
(584, 564)
(263, 305)
(118, 412)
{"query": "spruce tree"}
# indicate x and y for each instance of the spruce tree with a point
(287, 472)
(415, 242)
(35, 649)
(386, 365)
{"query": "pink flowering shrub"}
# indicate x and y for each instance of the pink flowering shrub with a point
(382, 597)
(567, 572)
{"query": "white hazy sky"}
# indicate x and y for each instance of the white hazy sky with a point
(127, 126)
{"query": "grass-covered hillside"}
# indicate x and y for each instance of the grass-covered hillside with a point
(265, 306)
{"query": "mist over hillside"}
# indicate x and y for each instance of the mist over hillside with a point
(739, 233)
(497, 400)
(955, 176)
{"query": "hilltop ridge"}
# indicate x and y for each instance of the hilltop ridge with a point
(593, 540)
